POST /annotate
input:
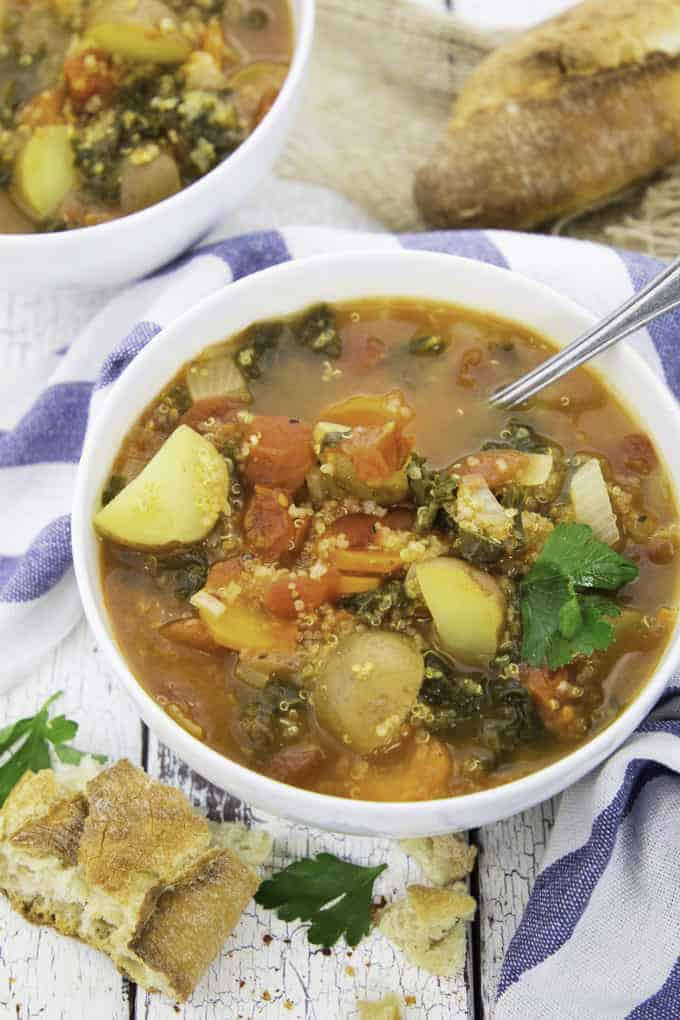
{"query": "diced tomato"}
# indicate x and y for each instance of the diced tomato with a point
(268, 529)
(283, 455)
(223, 573)
(203, 414)
(43, 108)
(192, 632)
(87, 74)
(639, 454)
(471, 359)
(359, 529)
(293, 764)
(363, 353)
(376, 453)
(400, 519)
(280, 597)
(367, 561)
(497, 467)
(557, 702)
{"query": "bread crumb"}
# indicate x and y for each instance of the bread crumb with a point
(428, 925)
(388, 1008)
(443, 859)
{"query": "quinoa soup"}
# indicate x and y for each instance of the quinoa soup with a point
(109, 106)
(327, 557)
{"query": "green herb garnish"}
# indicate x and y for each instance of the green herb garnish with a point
(333, 894)
(27, 742)
(563, 612)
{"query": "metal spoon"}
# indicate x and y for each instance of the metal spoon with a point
(661, 295)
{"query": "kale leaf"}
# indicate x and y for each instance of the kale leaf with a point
(386, 606)
(515, 435)
(434, 494)
(316, 330)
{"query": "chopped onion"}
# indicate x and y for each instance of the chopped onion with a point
(204, 600)
(535, 469)
(218, 376)
(591, 503)
(478, 509)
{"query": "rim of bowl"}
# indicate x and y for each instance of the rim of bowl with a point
(303, 13)
(295, 802)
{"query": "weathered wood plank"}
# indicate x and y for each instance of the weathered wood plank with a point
(510, 854)
(43, 974)
(268, 969)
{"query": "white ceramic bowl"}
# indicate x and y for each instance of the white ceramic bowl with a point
(289, 288)
(114, 253)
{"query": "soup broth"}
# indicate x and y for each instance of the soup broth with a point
(357, 610)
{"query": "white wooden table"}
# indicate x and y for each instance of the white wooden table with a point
(267, 969)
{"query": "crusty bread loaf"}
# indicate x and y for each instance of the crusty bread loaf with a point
(125, 864)
(560, 120)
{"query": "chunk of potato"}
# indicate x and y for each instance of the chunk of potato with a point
(367, 687)
(145, 184)
(467, 605)
(143, 30)
(44, 171)
(176, 499)
(245, 628)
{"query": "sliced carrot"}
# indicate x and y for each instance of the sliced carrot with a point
(367, 561)
(282, 594)
(351, 584)
(283, 454)
(268, 529)
(377, 409)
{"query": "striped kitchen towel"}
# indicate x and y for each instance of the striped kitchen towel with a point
(601, 934)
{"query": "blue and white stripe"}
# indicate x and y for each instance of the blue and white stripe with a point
(601, 935)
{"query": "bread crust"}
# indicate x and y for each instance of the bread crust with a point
(569, 115)
(127, 866)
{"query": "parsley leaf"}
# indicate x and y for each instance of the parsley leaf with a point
(25, 746)
(562, 614)
(333, 894)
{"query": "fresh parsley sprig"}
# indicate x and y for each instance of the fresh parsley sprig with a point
(563, 612)
(25, 745)
(333, 894)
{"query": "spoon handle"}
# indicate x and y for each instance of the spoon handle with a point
(661, 295)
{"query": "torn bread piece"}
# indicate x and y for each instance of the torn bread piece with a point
(428, 925)
(442, 859)
(388, 1008)
(124, 863)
